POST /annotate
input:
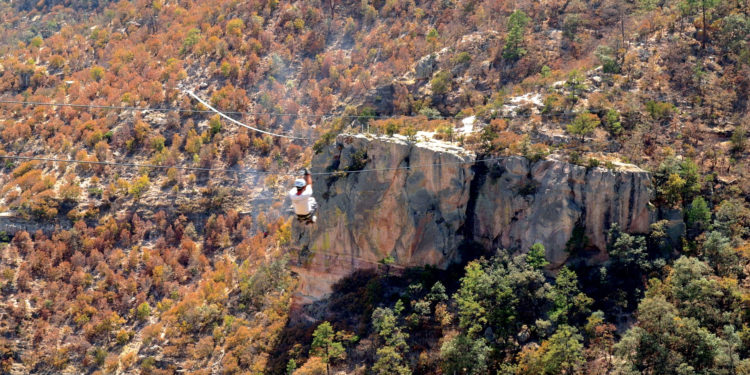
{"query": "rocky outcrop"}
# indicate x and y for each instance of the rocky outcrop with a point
(425, 67)
(426, 200)
(519, 203)
(10, 224)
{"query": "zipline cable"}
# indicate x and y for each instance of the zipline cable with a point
(237, 122)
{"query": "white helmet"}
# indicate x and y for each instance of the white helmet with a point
(299, 183)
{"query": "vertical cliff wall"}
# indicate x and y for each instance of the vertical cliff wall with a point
(428, 198)
(519, 203)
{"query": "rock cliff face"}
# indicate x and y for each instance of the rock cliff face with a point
(427, 199)
(519, 203)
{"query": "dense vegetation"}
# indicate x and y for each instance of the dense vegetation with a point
(162, 270)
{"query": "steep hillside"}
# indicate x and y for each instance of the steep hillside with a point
(157, 240)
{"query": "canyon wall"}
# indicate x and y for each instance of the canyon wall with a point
(428, 200)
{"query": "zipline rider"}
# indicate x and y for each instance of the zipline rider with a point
(303, 203)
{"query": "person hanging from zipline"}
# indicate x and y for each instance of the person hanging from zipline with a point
(303, 203)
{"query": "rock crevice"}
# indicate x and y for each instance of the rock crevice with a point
(447, 199)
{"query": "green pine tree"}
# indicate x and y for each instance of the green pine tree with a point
(325, 346)
(513, 48)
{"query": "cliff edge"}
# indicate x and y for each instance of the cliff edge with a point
(425, 200)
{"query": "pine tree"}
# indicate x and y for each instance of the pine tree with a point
(536, 257)
(325, 346)
(513, 48)
(584, 124)
(704, 6)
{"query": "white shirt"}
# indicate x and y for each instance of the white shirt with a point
(302, 203)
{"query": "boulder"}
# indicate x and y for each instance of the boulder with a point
(425, 67)
(381, 99)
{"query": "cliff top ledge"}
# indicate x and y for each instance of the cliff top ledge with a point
(424, 142)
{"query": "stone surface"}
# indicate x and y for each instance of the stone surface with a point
(520, 203)
(10, 224)
(413, 215)
(423, 215)
(425, 67)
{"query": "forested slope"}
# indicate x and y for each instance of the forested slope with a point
(155, 270)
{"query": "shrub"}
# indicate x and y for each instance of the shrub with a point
(536, 257)
(575, 158)
(612, 122)
(738, 139)
(536, 152)
(313, 366)
(215, 124)
(461, 58)
(441, 82)
(445, 132)
(607, 59)
(123, 336)
(139, 186)
(235, 27)
(733, 34)
(432, 36)
(193, 143)
(359, 160)
(584, 124)
(672, 189)
(430, 113)
(366, 114)
(157, 143)
(36, 41)
(698, 214)
(192, 38)
(230, 98)
(570, 26)
(70, 191)
(143, 311)
(553, 104)
(576, 84)
(659, 111)
(411, 133)
(492, 130)
(313, 42)
(23, 168)
(56, 62)
(99, 354)
(391, 128)
(128, 359)
(545, 72)
(148, 363)
(96, 73)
